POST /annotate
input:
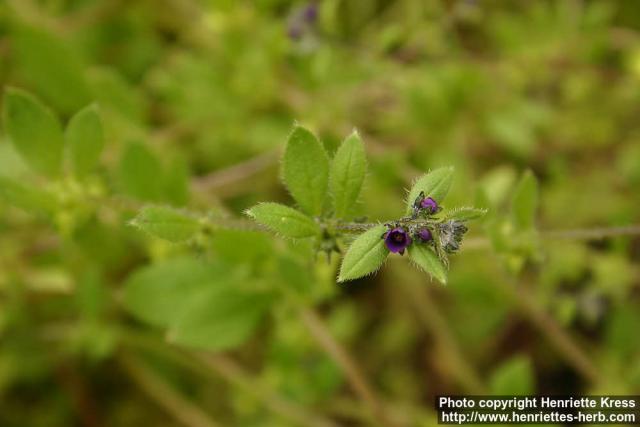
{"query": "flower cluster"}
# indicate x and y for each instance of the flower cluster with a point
(446, 236)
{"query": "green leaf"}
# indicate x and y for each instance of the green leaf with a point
(434, 184)
(51, 68)
(365, 255)
(515, 377)
(284, 220)
(166, 223)
(141, 173)
(428, 261)
(28, 198)
(525, 201)
(85, 140)
(305, 170)
(464, 214)
(157, 294)
(348, 170)
(221, 319)
(34, 131)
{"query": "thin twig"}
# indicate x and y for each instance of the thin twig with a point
(558, 337)
(229, 370)
(223, 178)
(220, 366)
(179, 407)
(345, 362)
(431, 318)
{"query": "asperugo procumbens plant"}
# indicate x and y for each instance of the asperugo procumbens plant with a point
(326, 192)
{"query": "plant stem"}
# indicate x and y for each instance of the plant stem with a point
(431, 318)
(234, 374)
(179, 407)
(345, 362)
(220, 366)
(558, 337)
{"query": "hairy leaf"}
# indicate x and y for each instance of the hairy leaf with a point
(284, 220)
(434, 184)
(348, 170)
(166, 223)
(365, 255)
(34, 131)
(428, 261)
(464, 214)
(525, 201)
(85, 140)
(305, 170)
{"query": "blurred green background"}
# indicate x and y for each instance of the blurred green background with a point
(197, 98)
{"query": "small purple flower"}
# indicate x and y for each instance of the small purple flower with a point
(397, 240)
(302, 21)
(429, 204)
(310, 12)
(425, 235)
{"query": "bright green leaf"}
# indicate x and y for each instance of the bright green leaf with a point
(34, 131)
(31, 199)
(428, 261)
(305, 170)
(220, 319)
(157, 294)
(284, 220)
(515, 377)
(525, 201)
(48, 65)
(167, 223)
(365, 255)
(85, 140)
(348, 170)
(434, 184)
(141, 173)
(464, 214)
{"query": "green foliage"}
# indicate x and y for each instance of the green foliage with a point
(85, 140)
(167, 223)
(434, 184)
(525, 201)
(51, 67)
(464, 214)
(200, 304)
(140, 173)
(348, 170)
(514, 377)
(305, 170)
(220, 318)
(365, 255)
(34, 131)
(284, 220)
(158, 294)
(25, 197)
(428, 261)
(196, 101)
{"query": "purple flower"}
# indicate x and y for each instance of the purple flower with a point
(425, 235)
(429, 204)
(310, 12)
(397, 240)
(302, 21)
